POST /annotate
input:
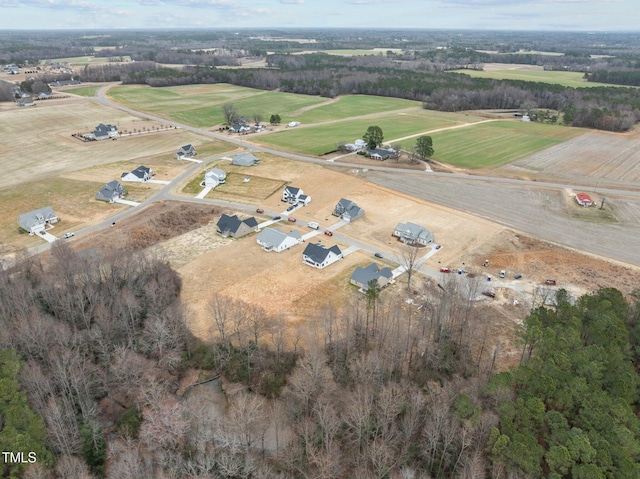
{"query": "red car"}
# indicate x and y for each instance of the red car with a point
(550, 282)
(445, 270)
(259, 210)
(490, 294)
(328, 233)
(292, 219)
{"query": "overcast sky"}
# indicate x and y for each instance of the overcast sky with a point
(583, 15)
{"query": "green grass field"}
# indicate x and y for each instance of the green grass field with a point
(353, 105)
(88, 91)
(317, 140)
(570, 79)
(85, 60)
(201, 105)
(496, 143)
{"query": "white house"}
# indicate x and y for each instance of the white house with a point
(214, 177)
(274, 239)
(294, 195)
(411, 233)
(37, 220)
(103, 132)
(140, 174)
(319, 256)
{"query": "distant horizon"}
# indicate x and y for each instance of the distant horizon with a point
(598, 16)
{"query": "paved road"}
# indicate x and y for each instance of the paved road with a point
(519, 204)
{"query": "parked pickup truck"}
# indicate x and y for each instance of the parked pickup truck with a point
(490, 294)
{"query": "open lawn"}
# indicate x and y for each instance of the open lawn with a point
(317, 140)
(496, 143)
(254, 191)
(352, 105)
(89, 91)
(570, 79)
(50, 150)
(201, 105)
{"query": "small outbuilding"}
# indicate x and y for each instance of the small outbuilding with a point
(584, 199)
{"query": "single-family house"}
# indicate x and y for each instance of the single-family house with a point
(235, 227)
(584, 199)
(103, 132)
(294, 195)
(274, 239)
(240, 128)
(359, 143)
(413, 234)
(245, 159)
(25, 101)
(37, 220)
(43, 95)
(140, 174)
(186, 150)
(348, 210)
(111, 192)
(319, 256)
(362, 276)
(382, 154)
(214, 177)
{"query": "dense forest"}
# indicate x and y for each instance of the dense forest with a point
(100, 377)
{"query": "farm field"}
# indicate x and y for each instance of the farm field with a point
(592, 157)
(352, 105)
(53, 151)
(496, 143)
(320, 139)
(354, 52)
(201, 105)
(533, 74)
(86, 60)
(88, 91)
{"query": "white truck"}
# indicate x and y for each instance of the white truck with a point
(313, 225)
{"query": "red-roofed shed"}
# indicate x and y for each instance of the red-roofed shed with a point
(584, 199)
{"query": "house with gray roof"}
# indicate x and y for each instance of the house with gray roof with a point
(348, 210)
(111, 192)
(214, 177)
(413, 234)
(319, 256)
(140, 174)
(294, 195)
(274, 239)
(235, 227)
(37, 220)
(186, 150)
(362, 276)
(245, 159)
(103, 132)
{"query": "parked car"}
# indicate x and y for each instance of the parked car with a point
(259, 210)
(291, 208)
(517, 276)
(68, 235)
(313, 225)
(113, 224)
(503, 273)
(328, 233)
(276, 218)
(550, 282)
(438, 246)
(490, 294)
(292, 219)
(445, 270)
(378, 255)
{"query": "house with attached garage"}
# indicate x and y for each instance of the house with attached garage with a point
(235, 227)
(382, 154)
(245, 159)
(140, 174)
(413, 234)
(214, 177)
(186, 150)
(240, 128)
(295, 196)
(348, 210)
(111, 192)
(319, 256)
(362, 276)
(104, 132)
(274, 239)
(37, 220)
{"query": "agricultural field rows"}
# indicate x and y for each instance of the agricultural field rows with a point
(496, 143)
(592, 155)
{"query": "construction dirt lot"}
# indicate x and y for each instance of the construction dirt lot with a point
(185, 234)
